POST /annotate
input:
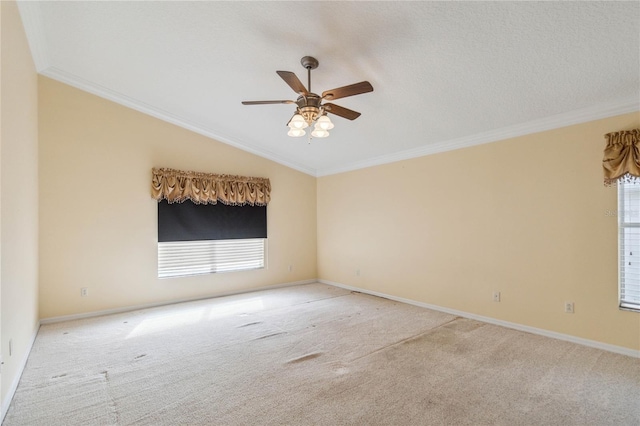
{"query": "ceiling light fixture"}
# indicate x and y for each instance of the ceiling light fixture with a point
(310, 108)
(298, 123)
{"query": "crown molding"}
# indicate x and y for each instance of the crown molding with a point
(119, 98)
(32, 21)
(595, 112)
(31, 15)
(34, 28)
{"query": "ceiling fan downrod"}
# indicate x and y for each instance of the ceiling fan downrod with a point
(310, 63)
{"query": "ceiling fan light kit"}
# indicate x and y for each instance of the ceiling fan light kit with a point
(310, 109)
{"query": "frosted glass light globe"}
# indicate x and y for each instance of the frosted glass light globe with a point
(296, 133)
(297, 122)
(319, 133)
(324, 123)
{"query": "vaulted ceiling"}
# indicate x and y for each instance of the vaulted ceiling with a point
(445, 74)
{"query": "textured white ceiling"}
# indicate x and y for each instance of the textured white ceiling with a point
(445, 74)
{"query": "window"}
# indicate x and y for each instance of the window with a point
(182, 258)
(196, 239)
(629, 245)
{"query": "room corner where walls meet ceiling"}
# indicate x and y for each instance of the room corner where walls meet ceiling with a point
(447, 75)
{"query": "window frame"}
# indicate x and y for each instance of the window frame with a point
(623, 224)
(202, 239)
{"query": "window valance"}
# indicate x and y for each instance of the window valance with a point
(208, 188)
(622, 157)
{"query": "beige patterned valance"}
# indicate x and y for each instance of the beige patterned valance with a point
(208, 188)
(622, 157)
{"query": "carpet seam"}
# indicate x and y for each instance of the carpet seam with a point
(424, 332)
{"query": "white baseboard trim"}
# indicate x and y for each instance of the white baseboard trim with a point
(554, 335)
(71, 317)
(16, 380)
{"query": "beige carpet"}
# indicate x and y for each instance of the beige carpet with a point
(315, 355)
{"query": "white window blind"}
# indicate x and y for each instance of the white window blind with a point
(629, 244)
(183, 258)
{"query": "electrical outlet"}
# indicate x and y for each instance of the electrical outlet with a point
(568, 307)
(496, 296)
(84, 292)
(357, 272)
(290, 268)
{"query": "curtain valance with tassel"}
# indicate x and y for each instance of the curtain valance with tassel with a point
(622, 157)
(208, 188)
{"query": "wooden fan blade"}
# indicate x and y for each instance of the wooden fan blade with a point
(351, 90)
(341, 111)
(266, 102)
(293, 81)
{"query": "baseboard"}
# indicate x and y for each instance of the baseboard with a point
(16, 380)
(71, 317)
(554, 335)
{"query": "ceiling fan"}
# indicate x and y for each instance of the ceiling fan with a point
(310, 108)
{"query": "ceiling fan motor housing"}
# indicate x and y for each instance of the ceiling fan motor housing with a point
(309, 107)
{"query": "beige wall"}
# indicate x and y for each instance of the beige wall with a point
(99, 224)
(525, 216)
(447, 229)
(19, 195)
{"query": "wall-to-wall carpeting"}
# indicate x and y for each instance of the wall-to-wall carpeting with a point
(315, 354)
